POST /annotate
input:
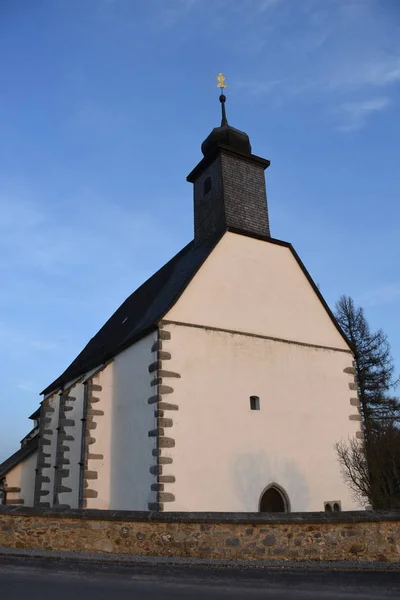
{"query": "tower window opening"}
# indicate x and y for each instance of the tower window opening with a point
(254, 403)
(207, 186)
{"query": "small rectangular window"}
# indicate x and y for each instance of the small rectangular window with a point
(254, 403)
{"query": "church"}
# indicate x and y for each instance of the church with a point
(221, 384)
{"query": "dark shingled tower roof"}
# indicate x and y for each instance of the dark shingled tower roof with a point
(226, 136)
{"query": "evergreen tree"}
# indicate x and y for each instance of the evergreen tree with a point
(374, 366)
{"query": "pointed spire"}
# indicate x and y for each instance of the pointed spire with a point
(222, 85)
(224, 120)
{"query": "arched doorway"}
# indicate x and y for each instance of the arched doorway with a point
(274, 499)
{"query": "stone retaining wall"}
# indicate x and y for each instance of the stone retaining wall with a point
(364, 536)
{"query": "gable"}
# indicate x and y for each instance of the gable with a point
(257, 286)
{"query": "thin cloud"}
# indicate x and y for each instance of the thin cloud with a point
(381, 72)
(33, 236)
(14, 338)
(264, 5)
(330, 53)
(257, 88)
(169, 12)
(26, 386)
(355, 114)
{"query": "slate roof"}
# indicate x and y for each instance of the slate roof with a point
(19, 456)
(140, 312)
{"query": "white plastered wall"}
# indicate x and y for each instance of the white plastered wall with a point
(50, 449)
(132, 419)
(123, 480)
(225, 454)
(22, 476)
(258, 287)
(102, 446)
(73, 455)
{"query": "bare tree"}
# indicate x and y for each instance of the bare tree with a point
(355, 471)
(375, 480)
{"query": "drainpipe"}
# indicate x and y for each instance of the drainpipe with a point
(2, 492)
(83, 446)
(57, 441)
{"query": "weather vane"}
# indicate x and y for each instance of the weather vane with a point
(222, 85)
(221, 81)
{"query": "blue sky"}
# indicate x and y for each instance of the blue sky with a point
(103, 108)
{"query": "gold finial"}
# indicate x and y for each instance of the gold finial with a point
(221, 81)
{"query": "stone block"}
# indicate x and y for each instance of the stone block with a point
(167, 406)
(165, 374)
(156, 346)
(165, 497)
(88, 493)
(164, 335)
(163, 422)
(155, 366)
(232, 542)
(165, 389)
(269, 540)
(95, 387)
(166, 479)
(166, 442)
(157, 487)
(66, 423)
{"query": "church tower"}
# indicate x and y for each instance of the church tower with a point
(229, 183)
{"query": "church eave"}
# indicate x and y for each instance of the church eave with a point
(61, 382)
(19, 456)
(207, 160)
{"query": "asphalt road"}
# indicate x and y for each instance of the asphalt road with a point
(47, 581)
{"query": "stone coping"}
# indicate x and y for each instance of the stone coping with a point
(205, 517)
